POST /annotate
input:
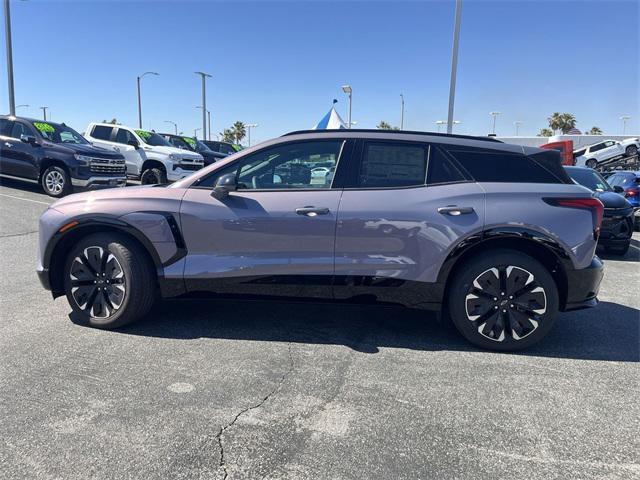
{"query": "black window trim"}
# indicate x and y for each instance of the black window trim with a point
(345, 142)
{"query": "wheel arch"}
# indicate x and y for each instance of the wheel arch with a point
(538, 246)
(153, 163)
(47, 162)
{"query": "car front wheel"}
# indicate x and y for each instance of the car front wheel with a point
(109, 281)
(592, 163)
(55, 181)
(504, 301)
(631, 150)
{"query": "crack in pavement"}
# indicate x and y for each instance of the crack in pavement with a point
(18, 234)
(223, 429)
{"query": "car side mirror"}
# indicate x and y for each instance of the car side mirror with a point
(133, 143)
(30, 139)
(618, 189)
(225, 185)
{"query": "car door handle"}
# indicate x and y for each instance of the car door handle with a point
(455, 211)
(312, 211)
(7, 144)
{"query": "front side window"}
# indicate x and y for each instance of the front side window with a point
(299, 165)
(389, 165)
(124, 137)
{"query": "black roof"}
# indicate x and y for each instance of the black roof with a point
(405, 132)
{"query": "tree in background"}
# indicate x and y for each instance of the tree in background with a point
(112, 122)
(595, 131)
(562, 121)
(386, 126)
(228, 136)
(239, 130)
(545, 132)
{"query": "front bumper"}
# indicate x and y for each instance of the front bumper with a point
(99, 182)
(616, 230)
(43, 276)
(583, 286)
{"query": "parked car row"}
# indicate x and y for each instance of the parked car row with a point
(61, 159)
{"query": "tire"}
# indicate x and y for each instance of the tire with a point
(153, 176)
(109, 281)
(591, 163)
(477, 290)
(631, 150)
(618, 250)
(55, 181)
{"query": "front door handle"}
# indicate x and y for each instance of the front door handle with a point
(312, 211)
(455, 211)
(7, 144)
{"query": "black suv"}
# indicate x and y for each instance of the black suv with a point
(56, 156)
(222, 147)
(194, 145)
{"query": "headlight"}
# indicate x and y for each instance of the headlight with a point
(83, 159)
(175, 157)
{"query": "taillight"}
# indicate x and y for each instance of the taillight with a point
(632, 192)
(593, 204)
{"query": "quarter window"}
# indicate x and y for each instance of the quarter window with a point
(102, 132)
(388, 165)
(441, 170)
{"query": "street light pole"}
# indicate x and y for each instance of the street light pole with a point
(349, 91)
(401, 112)
(624, 119)
(7, 32)
(517, 123)
(454, 64)
(249, 127)
(175, 125)
(139, 99)
(195, 132)
(209, 122)
(204, 100)
(494, 115)
(44, 112)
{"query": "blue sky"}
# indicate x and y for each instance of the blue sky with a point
(280, 64)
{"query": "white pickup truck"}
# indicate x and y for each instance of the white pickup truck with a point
(149, 157)
(604, 151)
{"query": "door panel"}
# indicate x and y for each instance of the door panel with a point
(256, 238)
(19, 158)
(400, 233)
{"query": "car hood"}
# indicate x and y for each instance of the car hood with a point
(116, 202)
(83, 149)
(612, 200)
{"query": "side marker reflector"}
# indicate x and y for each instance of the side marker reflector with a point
(69, 225)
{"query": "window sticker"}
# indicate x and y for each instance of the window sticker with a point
(144, 134)
(44, 127)
(190, 141)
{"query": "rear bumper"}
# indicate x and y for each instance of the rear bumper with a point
(583, 286)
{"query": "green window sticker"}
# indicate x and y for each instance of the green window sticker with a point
(44, 127)
(144, 134)
(190, 141)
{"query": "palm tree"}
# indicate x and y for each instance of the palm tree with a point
(568, 121)
(595, 131)
(545, 132)
(555, 121)
(386, 126)
(239, 130)
(228, 135)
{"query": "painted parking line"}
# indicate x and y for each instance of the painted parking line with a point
(25, 199)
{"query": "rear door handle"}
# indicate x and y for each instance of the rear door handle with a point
(455, 211)
(312, 211)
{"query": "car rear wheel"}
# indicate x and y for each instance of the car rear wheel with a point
(55, 181)
(153, 176)
(109, 281)
(504, 300)
(592, 163)
(631, 150)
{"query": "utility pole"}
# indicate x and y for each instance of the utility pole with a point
(175, 125)
(454, 64)
(139, 99)
(249, 127)
(494, 115)
(402, 112)
(44, 112)
(7, 33)
(624, 119)
(204, 100)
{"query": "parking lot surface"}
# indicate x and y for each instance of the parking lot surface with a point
(245, 389)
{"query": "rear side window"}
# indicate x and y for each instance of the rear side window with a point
(19, 129)
(5, 126)
(440, 169)
(386, 165)
(497, 166)
(102, 132)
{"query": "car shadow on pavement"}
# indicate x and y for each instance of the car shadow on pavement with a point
(632, 255)
(20, 185)
(610, 332)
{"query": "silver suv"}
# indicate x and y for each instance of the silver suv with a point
(495, 237)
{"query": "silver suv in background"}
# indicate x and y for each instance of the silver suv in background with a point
(497, 237)
(150, 157)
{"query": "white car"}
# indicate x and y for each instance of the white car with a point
(149, 156)
(602, 152)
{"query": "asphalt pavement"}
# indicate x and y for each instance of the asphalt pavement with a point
(244, 390)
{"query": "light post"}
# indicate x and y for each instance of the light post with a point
(175, 125)
(401, 112)
(454, 64)
(139, 99)
(517, 123)
(349, 91)
(204, 100)
(44, 112)
(494, 115)
(207, 137)
(439, 123)
(24, 105)
(7, 33)
(624, 119)
(249, 126)
(195, 132)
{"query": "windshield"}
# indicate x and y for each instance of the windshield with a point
(590, 179)
(57, 133)
(201, 147)
(622, 179)
(152, 138)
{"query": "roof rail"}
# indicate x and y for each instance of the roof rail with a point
(406, 132)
